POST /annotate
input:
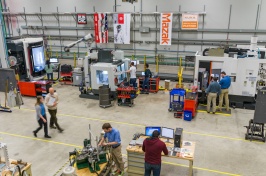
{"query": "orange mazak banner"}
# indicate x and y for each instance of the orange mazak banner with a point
(166, 28)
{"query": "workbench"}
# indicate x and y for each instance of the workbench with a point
(86, 171)
(153, 84)
(27, 168)
(135, 156)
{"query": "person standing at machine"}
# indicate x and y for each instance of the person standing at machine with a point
(146, 81)
(133, 76)
(49, 70)
(41, 117)
(153, 147)
(225, 84)
(114, 141)
(213, 89)
(51, 101)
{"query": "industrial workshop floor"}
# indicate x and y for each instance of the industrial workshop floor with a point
(220, 145)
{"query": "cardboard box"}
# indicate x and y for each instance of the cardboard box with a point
(167, 84)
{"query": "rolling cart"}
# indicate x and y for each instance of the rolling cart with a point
(177, 97)
(126, 96)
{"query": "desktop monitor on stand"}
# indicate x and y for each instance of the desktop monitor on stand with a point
(149, 130)
(167, 133)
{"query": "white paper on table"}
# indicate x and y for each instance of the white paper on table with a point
(51, 101)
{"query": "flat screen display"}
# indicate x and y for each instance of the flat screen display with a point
(149, 130)
(168, 133)
(53, 60)
(38, 59)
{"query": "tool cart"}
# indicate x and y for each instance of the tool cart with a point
(125, 96)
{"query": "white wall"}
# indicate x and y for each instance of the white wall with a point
(243, 16)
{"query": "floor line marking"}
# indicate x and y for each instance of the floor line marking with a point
(39, 139)
(78, 146)
(139, 125)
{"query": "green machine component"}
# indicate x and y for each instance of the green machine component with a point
(86, 142)
(90, 157)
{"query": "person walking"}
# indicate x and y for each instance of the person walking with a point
(225, 84)
(114, 141)
(51, 101)
(153, 147)
(146, 81)
(49, 70)
(133, 76)
(213, 89)
(41, 117)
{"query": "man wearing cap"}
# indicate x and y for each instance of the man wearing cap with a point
(153, 147)
(225, 84)
(114, 141)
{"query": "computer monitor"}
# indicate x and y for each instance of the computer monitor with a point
(167, 133)
(149, 130)
(53, 60)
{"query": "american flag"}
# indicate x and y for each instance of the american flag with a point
(101, 28)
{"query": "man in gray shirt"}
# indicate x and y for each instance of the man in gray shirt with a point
(213, 89)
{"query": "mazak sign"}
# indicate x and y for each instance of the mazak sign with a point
(166, 28)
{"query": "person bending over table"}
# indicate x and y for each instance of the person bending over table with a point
(114, 140)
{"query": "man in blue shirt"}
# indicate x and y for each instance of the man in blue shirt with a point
(213, 89)
(225, 84)
(114, 140)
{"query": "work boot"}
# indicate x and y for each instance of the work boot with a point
(34, 133)
(54, 127)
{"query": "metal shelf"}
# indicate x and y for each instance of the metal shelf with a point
(151, 29)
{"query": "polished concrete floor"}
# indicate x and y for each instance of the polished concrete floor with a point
(220, 145)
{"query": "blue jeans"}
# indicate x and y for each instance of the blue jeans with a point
(146, 83)
(156, 169)
(132, 81)
(50, 75)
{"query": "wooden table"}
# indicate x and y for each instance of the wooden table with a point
(136, 157)
(27, 168)
(87, 172)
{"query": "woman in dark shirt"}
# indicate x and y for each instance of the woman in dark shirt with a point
(41, 117)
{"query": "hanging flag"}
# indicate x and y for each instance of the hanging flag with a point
(101, 28)
(166, 29)
(121, 28)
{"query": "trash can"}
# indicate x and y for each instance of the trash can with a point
(187, 115)
(104, 96)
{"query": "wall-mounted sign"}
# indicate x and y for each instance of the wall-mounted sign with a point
(166, 28)
(190, 21)
(81, 18)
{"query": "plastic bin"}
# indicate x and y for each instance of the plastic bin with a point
(187, 115)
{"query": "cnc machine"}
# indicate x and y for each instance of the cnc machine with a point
(100, 67)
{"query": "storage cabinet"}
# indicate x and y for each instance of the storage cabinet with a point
(34, 88)
(191, 103)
